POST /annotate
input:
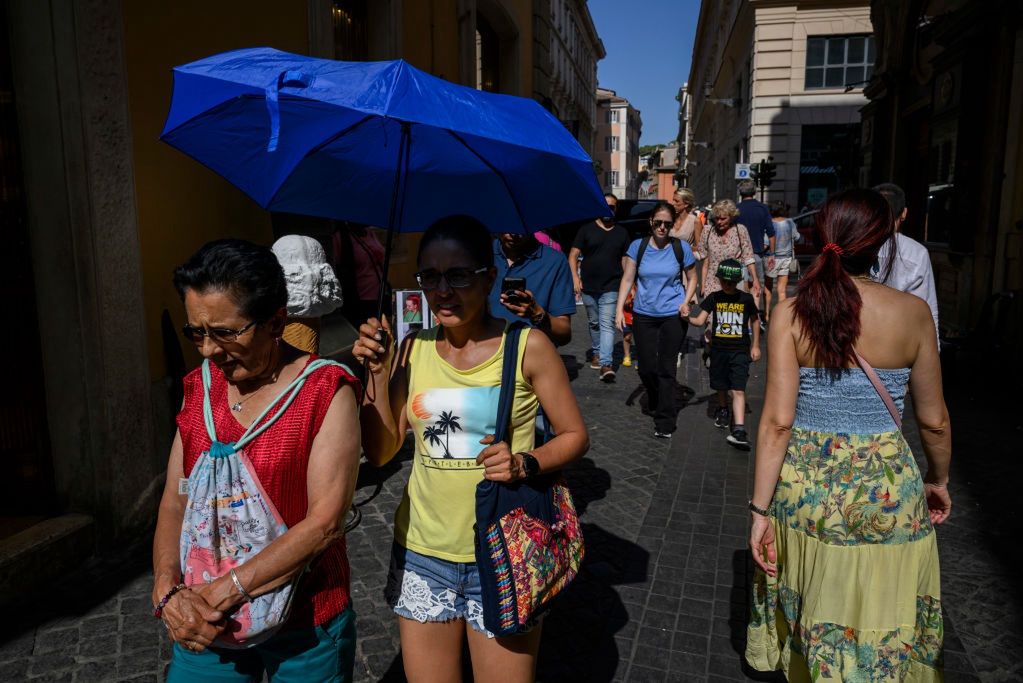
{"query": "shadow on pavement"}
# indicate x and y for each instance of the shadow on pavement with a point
(578, 640)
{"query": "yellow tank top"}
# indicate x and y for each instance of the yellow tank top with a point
(450, 410)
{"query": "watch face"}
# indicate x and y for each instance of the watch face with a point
(530, 464)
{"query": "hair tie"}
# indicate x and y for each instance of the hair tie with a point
(831, 246)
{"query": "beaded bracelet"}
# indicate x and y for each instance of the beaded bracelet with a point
(158, 610)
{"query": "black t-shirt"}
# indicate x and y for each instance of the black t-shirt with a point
(730, 319)
(602, 251)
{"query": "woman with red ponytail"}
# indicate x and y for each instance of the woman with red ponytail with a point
(847, 583)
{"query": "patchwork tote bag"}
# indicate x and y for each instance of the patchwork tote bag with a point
(529, 545)
(229, 519)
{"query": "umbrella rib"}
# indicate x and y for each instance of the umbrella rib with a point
(317, 148)
(497, 172)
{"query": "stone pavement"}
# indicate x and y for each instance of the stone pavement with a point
(662, 593)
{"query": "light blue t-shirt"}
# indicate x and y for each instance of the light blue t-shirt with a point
(659, 289)
(785, 235)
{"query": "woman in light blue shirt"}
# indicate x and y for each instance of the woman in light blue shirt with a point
(658, 265)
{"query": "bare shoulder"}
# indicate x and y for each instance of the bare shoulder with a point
(538, 345)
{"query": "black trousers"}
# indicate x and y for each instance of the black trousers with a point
(658, 343)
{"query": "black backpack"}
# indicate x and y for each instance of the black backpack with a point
(676, 246)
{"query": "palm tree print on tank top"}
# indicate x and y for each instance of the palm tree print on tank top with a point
(444, 426)
(450, 423)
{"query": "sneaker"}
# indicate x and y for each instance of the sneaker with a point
(738, 439)
(627, 361)
(594, 362)
(607, 374)
(722, 418)
(662, 435)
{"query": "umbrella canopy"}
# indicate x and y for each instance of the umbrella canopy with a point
(380, 143)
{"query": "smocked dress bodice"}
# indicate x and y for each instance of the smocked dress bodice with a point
(850, 403)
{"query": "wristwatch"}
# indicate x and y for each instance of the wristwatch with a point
(530, 464)
(760, 511)
(538, 318)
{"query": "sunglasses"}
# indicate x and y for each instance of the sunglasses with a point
(221, 335)
(661, 224)
(457, 278)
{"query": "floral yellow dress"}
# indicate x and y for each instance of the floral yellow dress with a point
(857, 596)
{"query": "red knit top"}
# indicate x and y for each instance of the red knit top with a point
(279, 457)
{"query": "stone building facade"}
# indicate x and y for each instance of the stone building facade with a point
(945, 122)
(778, 79)
(575, 49)
(619, 126)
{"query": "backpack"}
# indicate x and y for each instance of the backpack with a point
(676, 246)
(229, 519)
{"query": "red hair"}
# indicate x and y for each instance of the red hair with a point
(851, 228)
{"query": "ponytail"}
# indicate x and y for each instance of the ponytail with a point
(853, 225)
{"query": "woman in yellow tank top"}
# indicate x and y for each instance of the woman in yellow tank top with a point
(444, 384)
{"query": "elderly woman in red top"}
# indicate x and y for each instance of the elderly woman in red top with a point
(305, 462)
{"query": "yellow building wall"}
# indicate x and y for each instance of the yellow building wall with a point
(180, 203)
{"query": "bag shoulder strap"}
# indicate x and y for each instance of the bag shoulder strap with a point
(509, 371)
(287, 396)
(879, 386)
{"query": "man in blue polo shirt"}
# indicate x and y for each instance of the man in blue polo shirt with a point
(757, 219)
(548, 299)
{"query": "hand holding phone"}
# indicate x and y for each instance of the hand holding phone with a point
(511, 285)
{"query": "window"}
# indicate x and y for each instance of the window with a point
(612, 116)
(611, 143)
(839, 61)
(610, 178)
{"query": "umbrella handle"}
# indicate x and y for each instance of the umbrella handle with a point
(290, 79)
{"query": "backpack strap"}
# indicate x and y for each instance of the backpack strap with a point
(643, 244)
(680, 256)
(879, 386)
(509, 371)
(287, 396)
(676, 246)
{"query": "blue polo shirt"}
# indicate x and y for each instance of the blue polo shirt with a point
(547, 277)
(757, 219)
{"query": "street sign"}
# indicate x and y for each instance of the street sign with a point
(741, 171)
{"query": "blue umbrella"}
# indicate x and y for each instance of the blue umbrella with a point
(380, 143)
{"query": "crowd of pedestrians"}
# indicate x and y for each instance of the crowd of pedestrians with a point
(252, 576)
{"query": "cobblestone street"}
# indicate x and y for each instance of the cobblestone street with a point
(662, 595)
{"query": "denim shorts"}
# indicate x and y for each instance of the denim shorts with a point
(423, 588)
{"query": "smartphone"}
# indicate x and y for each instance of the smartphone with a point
(509, 285)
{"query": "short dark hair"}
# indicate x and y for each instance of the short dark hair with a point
(610, 195)
(467, 232)
(895, 195)
(779, 209)
(747, 188)
(249, 273)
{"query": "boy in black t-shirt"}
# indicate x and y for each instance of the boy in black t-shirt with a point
(734, 317)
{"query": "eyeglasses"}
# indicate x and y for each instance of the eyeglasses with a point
(457, 278)
(221, 335)
(661, 224)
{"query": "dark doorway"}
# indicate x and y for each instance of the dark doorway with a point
(26, 488)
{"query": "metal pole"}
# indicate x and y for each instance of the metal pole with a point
(397, 199)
